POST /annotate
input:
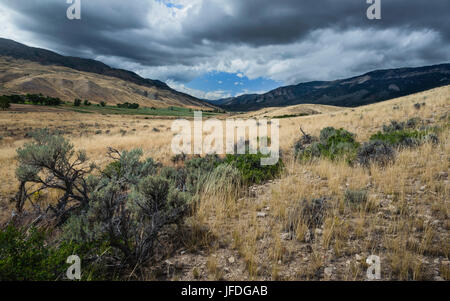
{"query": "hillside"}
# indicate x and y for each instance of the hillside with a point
(32, 70)
(292, 111)
(361, 90)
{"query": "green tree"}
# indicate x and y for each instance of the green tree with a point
(4, 103)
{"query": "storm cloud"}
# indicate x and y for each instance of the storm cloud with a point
(290, 41)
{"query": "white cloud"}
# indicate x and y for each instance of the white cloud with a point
(210, 95)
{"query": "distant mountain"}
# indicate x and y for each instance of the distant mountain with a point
(369, 88)
(46, 60)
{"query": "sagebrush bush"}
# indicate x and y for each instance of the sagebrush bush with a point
(128, 208)
(378, 152)
(333, 144)
(356, 197)
(50, 162)
(310, 213)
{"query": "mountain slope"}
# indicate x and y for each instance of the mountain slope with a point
(369, 88)
(33, 70)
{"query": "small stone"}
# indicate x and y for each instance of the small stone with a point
(231, 259)
(286, 236)
(358, 257)
(328, 271)
(443, 175)
(318, 232)
(308, 237)
(261, 215)
(423, 188)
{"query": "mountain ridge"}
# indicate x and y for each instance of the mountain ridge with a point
(368, 88)
(48, 60)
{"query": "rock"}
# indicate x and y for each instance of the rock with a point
(438, 278)
(328, 271)
(231, 260)
(286, 236)
(318, 232)
(442, 175)
(423, 188)
(261, 214)
(308, 237)
(358, 257)
(435, 222)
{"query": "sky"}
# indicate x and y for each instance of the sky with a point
(216, 49)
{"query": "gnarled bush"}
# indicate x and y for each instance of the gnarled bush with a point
(378, 152)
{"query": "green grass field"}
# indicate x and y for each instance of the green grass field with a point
(171, 111)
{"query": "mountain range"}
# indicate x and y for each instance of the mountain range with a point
(25, 69)
(361, 90)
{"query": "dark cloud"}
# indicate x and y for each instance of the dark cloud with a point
(257, 37)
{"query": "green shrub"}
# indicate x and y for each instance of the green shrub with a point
(77, 102)
(103, 104)
(251, 169)
(333, 144)
(25, 255)
(4, 103)
(401, 138)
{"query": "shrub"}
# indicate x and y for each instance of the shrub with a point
(400, 126)
(103, 104)
(251, 169)
(25, 256)
(50, 162)
(376, 151)
(128, 207)
(128, 105)
(4, 103)
(87, 102)
(309, 212)
(333, 144)
(355, 197)
(197, 170)
(305, 141)
(401, 138)
(77, 102)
